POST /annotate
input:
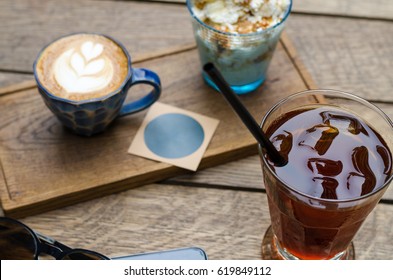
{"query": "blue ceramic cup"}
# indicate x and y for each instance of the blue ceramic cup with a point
(91, 116)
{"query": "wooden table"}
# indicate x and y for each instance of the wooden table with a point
(346, 45)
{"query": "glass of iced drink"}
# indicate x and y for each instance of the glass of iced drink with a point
(239, 37)
(338, 148)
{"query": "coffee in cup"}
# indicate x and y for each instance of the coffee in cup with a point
(82, 66)
(84, 79)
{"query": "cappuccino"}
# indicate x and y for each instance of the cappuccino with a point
(82, 66)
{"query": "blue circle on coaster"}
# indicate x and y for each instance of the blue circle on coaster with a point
(173, 135)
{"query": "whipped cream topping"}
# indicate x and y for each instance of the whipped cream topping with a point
(83, 69)
(241, 16)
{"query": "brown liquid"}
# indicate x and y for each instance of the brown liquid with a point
(332, 155)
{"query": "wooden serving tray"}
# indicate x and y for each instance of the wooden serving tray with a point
(43, 166)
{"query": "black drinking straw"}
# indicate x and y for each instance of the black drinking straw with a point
(244, 114)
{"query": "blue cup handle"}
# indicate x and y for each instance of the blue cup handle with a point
(142, 76)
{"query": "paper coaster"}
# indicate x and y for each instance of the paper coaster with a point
(172, 135)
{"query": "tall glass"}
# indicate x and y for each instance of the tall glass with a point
(304, 226)
(242, 59)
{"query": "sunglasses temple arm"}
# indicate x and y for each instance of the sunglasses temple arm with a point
(52, 242)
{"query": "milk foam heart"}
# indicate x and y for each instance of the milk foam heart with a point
(82, 66)
(91, 50)
(84, 69)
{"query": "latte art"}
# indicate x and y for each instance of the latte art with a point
(82, 66)
(83, 70)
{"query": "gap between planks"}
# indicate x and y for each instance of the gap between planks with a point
(173, 182)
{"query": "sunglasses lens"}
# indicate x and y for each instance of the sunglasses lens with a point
(79, 254)
(16, 241)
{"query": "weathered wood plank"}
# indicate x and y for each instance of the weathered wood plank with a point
(8, 80)
(226, 224)
(242, 173)
(147, 219)
(346, 54)
(144, 28)
(380, 9)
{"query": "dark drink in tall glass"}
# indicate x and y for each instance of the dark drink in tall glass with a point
(339, 165)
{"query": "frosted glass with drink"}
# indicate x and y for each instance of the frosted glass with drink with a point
(238, 37)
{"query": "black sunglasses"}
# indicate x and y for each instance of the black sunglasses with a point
(19, 242)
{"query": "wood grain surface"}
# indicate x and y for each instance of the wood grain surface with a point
(227, 224)
(143, 28)
(374, 9)
(346, 54)
(341, 44)
(334, 50)
(65, 166)
(341, 53)
(8, 80)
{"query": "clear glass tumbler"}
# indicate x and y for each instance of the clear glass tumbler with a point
(242, 59)
(304, 226)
